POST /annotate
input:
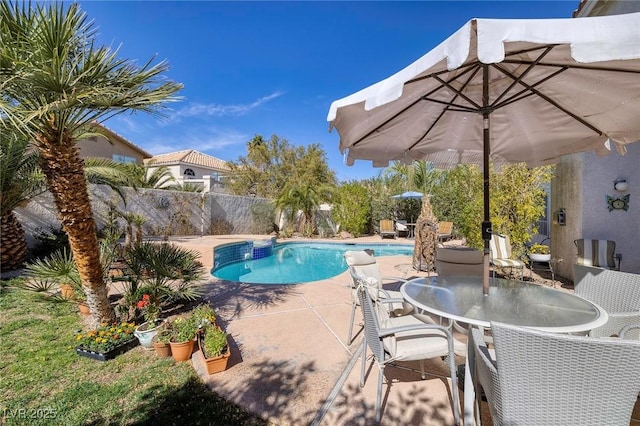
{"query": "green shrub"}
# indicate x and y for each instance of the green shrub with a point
(214, 341)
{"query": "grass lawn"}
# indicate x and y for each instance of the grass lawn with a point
(44, 381)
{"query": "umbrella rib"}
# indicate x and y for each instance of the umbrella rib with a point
(425, 97)
(524, 93)
(457, 92)
(533, 90)
(522, 75)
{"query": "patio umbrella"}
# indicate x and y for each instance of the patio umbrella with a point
(408, 194)
(503, 90)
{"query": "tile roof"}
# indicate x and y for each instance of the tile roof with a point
(189, 156)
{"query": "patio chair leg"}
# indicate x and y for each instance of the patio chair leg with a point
(353, 316)
(379, 395)
(422, 375)
(364, 361)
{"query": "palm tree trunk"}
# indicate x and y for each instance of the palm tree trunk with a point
(426, 234)
(63, 168)
(13, 245)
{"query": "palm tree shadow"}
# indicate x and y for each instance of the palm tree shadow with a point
(231, 299)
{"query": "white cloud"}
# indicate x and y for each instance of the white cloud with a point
(207, 139)
(217, 110)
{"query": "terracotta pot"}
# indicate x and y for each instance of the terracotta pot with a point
(84, 308)
(219, 363)
(66, 291)
(163, 350)
(182, 351)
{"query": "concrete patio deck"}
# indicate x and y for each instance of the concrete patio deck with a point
(290, 360)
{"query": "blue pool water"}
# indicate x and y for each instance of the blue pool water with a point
(301, 262)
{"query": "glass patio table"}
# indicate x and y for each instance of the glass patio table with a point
(509, 301)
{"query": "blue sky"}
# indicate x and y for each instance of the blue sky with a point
(269, 68)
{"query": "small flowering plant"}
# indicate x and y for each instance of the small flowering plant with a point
(539, 249)
(149, 308)
(106, 337)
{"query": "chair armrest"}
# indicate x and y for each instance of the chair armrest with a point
(390, 300)
(624, 331)
(384, 332)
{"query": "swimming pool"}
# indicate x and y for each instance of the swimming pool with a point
(294, 262)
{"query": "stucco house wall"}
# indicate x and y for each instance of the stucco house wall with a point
(109, 145)
(580, 187)
(584, 180)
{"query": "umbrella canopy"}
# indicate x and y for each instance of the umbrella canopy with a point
(506, 90)
(408, 194)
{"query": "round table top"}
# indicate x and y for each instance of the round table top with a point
(509, 301)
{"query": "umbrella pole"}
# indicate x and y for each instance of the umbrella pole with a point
(486, 224)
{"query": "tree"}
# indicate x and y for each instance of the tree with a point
(272, 165)
(352, 207)
(20, 180)
(517, 201)
(55, 83)
(306, 198)
(149, 176)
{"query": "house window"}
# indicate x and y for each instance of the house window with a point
(189, 172)
(123, 159)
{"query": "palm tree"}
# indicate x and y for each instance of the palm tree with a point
(55, 83)
(158, 178)
(20, 180)
(305, 198)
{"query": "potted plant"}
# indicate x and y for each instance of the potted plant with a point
(106, 341)
(539, 253)
(203, 315)
(183, 334)
(160, 342)
(150, 309)
(215, 348)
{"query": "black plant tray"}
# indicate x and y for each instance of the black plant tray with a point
(105, 356)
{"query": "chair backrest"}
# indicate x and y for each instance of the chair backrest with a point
(445, 228)
(362, 264)
(465, 261)
(386, 225)
(598, 253)
(375, 317)
(614, 291)
(500, 247)
(557, 379)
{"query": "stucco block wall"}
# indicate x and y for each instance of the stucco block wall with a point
(167, 212)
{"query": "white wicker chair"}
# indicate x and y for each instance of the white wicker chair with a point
(406, 338)
(363, 267)
(549, 379)
(631, 332)
(616, 292)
